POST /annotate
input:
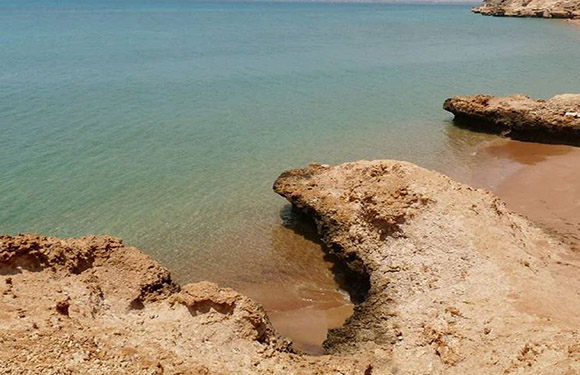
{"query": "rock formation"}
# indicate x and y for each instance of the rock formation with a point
(94, 306)
(556, 120)
(458, 283)
(455, 283)
(530, 8)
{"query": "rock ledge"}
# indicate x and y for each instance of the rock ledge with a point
(556, 120)
(93, 305)
(458, 283)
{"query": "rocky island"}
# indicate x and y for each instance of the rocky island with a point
(556, 120)
(530, 8)
(453, 283)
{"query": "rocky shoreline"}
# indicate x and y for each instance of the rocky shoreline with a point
(93, 305)
(556, 120)
(458, 283)
(567, 9)
(455, 283)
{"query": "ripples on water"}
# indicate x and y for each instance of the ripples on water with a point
(166, 122)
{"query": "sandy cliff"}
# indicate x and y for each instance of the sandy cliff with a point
(530, 8)
(556, 120)
(454, 282)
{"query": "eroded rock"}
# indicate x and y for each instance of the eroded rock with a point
(455, 284)
(556, 120)
(458, 283)
(93, 305)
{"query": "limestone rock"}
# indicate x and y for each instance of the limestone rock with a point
(458, 284)
(556, 120)
(93, 305)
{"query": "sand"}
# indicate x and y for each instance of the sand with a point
(539, 181)
(303, 310)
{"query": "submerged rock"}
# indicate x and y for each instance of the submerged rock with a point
(530, 8)
(556, 120)
(458, 283)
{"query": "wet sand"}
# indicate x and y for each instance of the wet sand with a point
(303, 313)
(308, 301)
(539, 181)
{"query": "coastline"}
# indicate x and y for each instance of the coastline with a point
(446, 295)
(536, 180)
(458, 281)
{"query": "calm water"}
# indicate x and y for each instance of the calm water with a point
(166, 122)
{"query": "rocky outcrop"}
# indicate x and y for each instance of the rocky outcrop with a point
(458, 283)
(530, 8)
(452, 283)
(556, 120)
(94, 306)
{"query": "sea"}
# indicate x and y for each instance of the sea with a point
(166, 122)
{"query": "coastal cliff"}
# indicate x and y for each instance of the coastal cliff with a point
(556, 120)
(451, 282)
(530, 8)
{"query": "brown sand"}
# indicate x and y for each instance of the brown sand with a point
(306, 302)
(539, 181)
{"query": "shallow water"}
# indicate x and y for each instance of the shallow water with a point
(166, 122)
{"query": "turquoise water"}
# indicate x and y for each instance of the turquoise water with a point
(166, 122)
